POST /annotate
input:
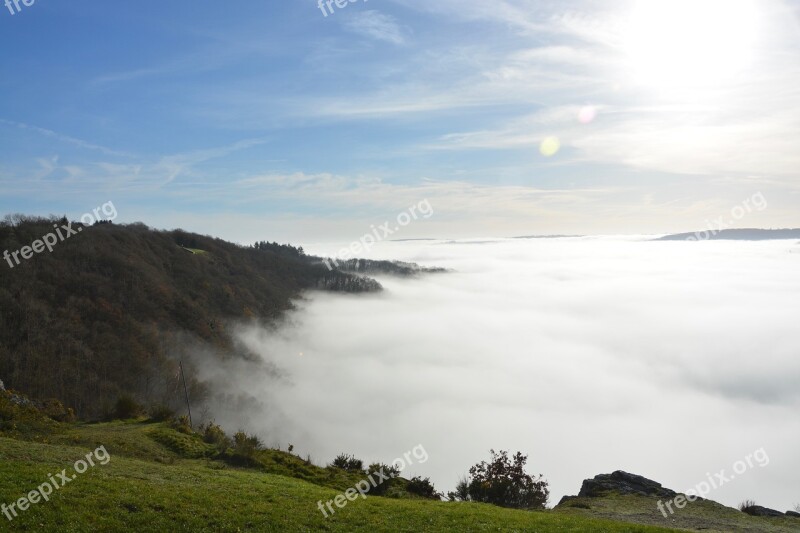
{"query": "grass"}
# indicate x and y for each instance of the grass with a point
(706, 515)
(165, 479)
(152, 483)
(195, 251)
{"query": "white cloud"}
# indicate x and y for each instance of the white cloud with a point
(665, 359)
(376, 25)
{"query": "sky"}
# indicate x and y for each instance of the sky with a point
(670, 360)
(278, 121)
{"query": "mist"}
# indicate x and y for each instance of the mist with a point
(672, 360)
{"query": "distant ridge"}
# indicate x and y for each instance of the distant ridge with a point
(547, 236)
(395, 268)
(735, 235)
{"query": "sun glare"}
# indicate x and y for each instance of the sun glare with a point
(674, 44)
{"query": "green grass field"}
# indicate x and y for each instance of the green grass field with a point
(164, 477)
(150, 485)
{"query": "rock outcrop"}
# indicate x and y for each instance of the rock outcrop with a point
(621, 483)
(757, 510)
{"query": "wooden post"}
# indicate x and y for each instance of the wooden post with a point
(186, 393)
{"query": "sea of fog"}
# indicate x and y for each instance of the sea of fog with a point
(672, 360)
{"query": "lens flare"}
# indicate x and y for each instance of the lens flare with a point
(587, 114)
(550, 146)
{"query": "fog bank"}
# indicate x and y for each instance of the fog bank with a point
(666, 359)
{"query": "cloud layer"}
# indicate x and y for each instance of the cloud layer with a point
(669, 360)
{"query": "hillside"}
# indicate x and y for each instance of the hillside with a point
(158, 476)
(198, 495)
(111, 310)
(633, 498)
(152, 477)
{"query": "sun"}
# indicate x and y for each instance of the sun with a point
(688, 44)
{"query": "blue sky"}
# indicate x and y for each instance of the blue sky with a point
(269, 120)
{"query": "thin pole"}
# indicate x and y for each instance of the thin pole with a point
(186, 393)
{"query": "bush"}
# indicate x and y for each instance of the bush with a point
(461, 494)
(20, 417)
(127, 408)
(56, 410)
(347, 462)
(422, 487)
(747, 506)
(213, 434)
(161, 413)
(182, 425)
(246, 445)
(389, 472)
(797, 508)
(504, 483)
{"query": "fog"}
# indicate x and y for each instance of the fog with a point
(672, 360)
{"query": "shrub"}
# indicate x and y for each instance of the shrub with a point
(56, 410)
(246, 445)
(161, 413)
(422, 487)
(20, 417)
(747, 506)
(797, 508)
(182, 425)
(347, 462)
(127, 408)
(389, 473)
(461, 494)
(504, 483)
(213, 434)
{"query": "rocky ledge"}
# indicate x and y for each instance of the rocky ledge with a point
(622, 483)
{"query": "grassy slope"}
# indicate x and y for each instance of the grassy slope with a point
(705, 515)
(149, 487)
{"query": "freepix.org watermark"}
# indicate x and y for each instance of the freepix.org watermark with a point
(383, 231)
(61, 234)
(719, 479)
(326, 6)
(45, 490)
(15, 6)
(756, 202)
(373, 480)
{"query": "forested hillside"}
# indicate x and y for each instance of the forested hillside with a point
(104, 313)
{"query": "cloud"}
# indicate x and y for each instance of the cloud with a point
(376, 25)
(125, 172)
(524, 16)
(744, 126)
(79, 143)
(590, 354)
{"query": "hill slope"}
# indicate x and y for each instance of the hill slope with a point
(147, 487)
(110, 310)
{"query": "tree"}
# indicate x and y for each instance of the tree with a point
(347, 462)
(504, 483)
(422, 487)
